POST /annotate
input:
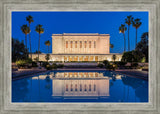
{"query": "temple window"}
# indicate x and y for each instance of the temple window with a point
(80, 44)
(94, 87)
(89, 44)
(71, 87)
(75, 44)
(76, 87)
(89, 87)
(85, 44)
(85, 87)
(66, 44)
(71, 43)
(80, 87)
(94, 44)
(66, 87)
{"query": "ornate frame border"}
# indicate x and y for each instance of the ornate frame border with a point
(7, 6)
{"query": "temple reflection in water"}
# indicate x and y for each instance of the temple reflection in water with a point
(78, 84)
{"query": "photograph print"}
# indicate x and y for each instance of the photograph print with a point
(80, 57)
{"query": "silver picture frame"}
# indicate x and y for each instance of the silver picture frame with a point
(7, 6)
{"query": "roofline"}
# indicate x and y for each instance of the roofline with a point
(80, 34)
(80, 54)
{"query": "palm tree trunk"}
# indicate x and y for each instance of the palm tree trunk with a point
(128, 39)
(26, 40)
(30, 43)
(136, 38)
(38, 47)
(48, 49)
(124, 43)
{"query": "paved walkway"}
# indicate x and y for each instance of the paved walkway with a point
(21, 73)
(81, 69)
(26, 72)
(134, 73)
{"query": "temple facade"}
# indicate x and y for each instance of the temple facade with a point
(80, 47)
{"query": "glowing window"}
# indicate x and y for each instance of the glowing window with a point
(75, 44)
(66, 44)
(89, 44)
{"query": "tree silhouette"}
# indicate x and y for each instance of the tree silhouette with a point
(30, 20)
(39, 30)
(47, 43)
(128, 21)
(136, 24)
(26, 30)
(122, 29)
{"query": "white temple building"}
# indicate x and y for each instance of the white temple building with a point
(80, 47)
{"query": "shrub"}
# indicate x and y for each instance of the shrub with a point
(121, 63)
(48, 67)
(109, 67)
(28, 60)
(134, 64)
(114, 66)
(100, 65)
(44, 64)
(36, 59)
(54, 66)
(60, 66)
(21, 63)
(106, 63)
(34, 64)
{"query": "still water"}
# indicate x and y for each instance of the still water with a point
(80, 86)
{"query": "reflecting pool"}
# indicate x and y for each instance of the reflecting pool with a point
(80, 86)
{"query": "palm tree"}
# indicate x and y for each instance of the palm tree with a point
(39, 30)
(30, 20)
(122, 30)
(47, 43)
(128, 21)
(111, 46)
(136, 24)
(26, 30)
(114, 57)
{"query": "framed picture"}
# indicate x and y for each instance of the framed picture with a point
(79, 56)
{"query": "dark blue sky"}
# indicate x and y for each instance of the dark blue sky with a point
(78, 22)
